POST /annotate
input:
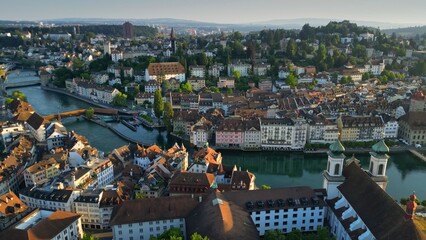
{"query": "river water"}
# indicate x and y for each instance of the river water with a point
(405, 172)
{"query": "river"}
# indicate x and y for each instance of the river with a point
(405, 172)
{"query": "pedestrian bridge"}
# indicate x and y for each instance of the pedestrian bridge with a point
(80, 112)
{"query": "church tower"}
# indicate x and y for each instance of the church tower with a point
(378, 163)
(173, 41)
(333, 175)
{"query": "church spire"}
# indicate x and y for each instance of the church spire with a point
(173, 40)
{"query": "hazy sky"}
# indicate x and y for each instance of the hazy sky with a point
(220, 11)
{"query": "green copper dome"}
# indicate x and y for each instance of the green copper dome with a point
(337, 146)
(380, 147)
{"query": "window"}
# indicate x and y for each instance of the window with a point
(130, 231)
(294, 222)
(295, 215)
(337, 169)
(371, 166)
(140, 230)
(381, 166)
(119, 232)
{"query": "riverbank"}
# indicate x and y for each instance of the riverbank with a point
(417, 154)
(86, 100)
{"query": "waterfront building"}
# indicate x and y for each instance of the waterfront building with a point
(391, 127)
(198, 71)
(283, 134)
(12, 209)
(165, 71)
(322, 130)
(53, 199)
(252, 135)
(413, 128)
(43, 224)
(230, 134)
(41, 172)
(360, 128)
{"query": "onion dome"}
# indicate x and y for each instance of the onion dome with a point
(337, 147)
(380, 147)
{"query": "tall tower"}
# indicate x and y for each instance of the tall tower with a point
(378, 163)
(333, 175)
(128, 30)
(173, 40)
(107, 48)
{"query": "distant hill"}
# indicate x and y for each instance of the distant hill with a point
(408, 32)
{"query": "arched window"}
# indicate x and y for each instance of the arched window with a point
(381, 168)
(371, 167)
(328, 166)
(337, 169)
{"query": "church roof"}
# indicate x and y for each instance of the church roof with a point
(380, 147)
(380, 213)
(337, 146)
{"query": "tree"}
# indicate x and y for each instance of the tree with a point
(140, 195)
(89, 236)
(236, 75)
(197, 236)
(291, 49)
(62, 74)
(165, 87)
(229, 91)
(346, 80)
(171, 234)
(320, 57)
(89, 113)
(274, 235)
(265, 187)
(120, 99)
(158, 104)
(168, 116)
(186, 87)
(291, 80)
(18, 94)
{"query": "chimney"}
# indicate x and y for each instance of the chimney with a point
(200, 199)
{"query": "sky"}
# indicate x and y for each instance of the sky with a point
(219, 11)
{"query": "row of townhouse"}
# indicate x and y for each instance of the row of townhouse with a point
(263, 133)
(291, 134)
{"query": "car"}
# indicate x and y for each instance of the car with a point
(418, 146)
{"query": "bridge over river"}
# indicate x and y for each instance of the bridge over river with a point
(80, 112)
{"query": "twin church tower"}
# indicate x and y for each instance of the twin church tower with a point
(333, 176)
